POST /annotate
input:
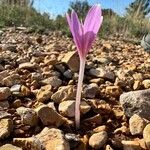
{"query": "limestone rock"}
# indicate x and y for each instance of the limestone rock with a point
(10, 147)
(28, 116)
(4, 93)
(98, 140)
(64, 93)
(136, 102)
(6, 127)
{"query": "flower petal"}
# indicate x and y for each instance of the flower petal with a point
(77, 32)
(93, 19)
(92, 24)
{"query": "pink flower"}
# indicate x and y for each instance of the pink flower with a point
(84, 35)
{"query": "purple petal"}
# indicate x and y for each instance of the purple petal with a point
(92, 24)
(93, 19)
(77, 32)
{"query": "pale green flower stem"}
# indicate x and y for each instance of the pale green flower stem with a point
(79, 92)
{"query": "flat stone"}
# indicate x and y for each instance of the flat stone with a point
(11, 80)
(10, 147)
(100, 72)
(137, 125)
(113, 91)
(6, 127)
(28, 116)
(90, 90)
(146, 83)
(64, 93)
(53, 81)
(4, 93)
(67, 108)
(27, 65)
(136, 102)
(44, 94)
(48, 139)
(146, 135)
(131, 145)
(72, 60)
(49, 116)
(98, 140)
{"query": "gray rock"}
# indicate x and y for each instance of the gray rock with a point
(90, 90)
(136, 102)
(28, 116)
(145, 43)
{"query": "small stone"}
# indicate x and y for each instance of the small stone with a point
(67, 108)
(4, 93)
(6, 127)
(131, 145)
(99, 129)
(25, 91)
(53, 81)
(100, 72)
(146, 83)
(90, 90)
(137, 85)
(136, 102)
(27, 65)
(98, 140)
(10, 147)
(49, 116)
(97, 119)
(108, 147)
(44, 94)
(4, 104)
(48, 139)
(146, 135)
(11, 80)
(17, 103)
(73, 140)
(64, 93)
(68, 74)
(113, 91)
(28, 116)
(136, 125)
(72, 60)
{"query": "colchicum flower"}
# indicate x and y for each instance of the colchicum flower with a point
(84, 34)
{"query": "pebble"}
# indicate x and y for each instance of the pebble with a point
(28, 116)
(44, 94)
(131, 145)
(146, 135)
(49, 116)
(48, 139)
(72, 60)
(90, 90)
(10, 147)
(67, 108)
(4, 93)
(64, 93)
(137, 125)
(98, 140)
(6, 127)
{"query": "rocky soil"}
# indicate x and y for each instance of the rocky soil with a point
(38, 78)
